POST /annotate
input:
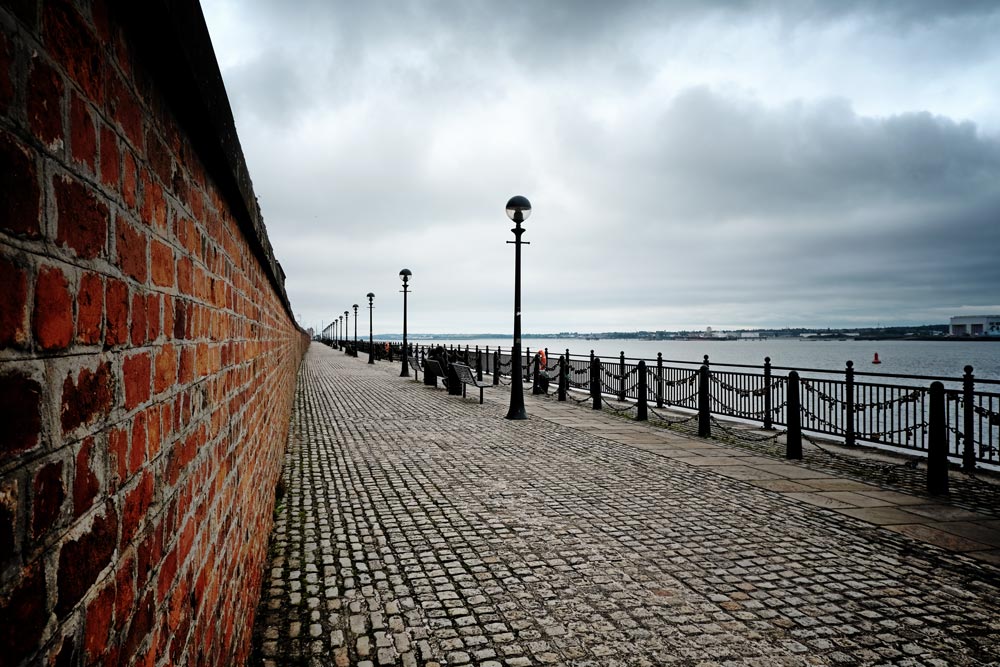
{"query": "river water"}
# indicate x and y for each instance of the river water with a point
(945, 359)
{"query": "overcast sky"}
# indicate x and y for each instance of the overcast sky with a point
(689, 164)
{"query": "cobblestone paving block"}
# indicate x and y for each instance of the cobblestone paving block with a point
(424, 530)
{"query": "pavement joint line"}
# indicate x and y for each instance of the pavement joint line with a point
(421, 529)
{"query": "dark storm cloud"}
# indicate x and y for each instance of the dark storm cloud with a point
(690, 163)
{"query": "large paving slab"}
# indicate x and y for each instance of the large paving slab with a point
(422, 529)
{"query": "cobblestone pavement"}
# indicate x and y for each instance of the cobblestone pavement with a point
(421, 529)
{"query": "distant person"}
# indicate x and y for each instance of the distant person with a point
(541, 385)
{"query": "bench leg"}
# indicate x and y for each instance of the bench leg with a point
(463, 390)
(480, 396)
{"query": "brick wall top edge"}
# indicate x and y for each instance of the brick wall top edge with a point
(172, 39)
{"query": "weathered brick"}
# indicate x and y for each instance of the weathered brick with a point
(184, 271)
(154, 206)
(20, 412)
(82, 136)
(138, 445)
(97, 623)
(166, 369)
(159, 157)
(139, 330)
(118, 439)
(116, 313)
(75, 47)
(82, 559)
(136, 506)
(110, 157)
(83, 218)
(153, 431)
(165, 577)
(14, 297)
(162, 257)
(26, 603)
(19, 206)
(125, 110)
(185, 373)
(86, 484)
(8, 518)
(131, 250)
(168, 315)
(45, 102)
(152, 316)
(89, 398)
(142, 623)
(124, 590)
(90, 309)
(136, 376)
(130, 191)
(52, 319)
(48, 494)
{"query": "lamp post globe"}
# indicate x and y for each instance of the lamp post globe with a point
(518, 210)
(405, 370)
(371, 344)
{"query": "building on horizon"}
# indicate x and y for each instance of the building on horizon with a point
(975, 325)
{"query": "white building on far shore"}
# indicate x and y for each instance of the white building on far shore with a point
(975, 325)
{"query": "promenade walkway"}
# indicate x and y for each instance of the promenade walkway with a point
(421, 529)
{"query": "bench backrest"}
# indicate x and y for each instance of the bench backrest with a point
(433, 367)
(414, 362)
(465, 375)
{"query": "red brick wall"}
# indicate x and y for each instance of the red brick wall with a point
(147, 363)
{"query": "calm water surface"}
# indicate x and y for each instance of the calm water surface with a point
(945, 359)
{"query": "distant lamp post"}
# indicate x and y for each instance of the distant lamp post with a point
(340, 330)
(405, 275)
(371, 343)
(347, 328)
(518, 210)
(355, 307)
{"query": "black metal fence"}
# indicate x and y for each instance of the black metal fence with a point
(881, 409)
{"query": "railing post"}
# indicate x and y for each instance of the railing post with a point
(595, 380)
(621, 376)
(659, 379)
(467, 354)
(969, 425)
(849, 431)
(526, 365)
(768, 407)
(563, 377)
(479, 364)
(496, 366)
(704, 407)
(793, 439)
(937, 442)
(487, 358)
(535, 389)
(641, 413)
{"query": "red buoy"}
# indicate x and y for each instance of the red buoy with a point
(876, 359)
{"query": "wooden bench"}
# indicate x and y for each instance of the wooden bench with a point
(467, 377)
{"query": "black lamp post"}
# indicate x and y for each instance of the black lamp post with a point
(334, 325)
(405, 275)
(355, 307)
(518, 210)
(347, 328)
(340, 329)
(371, 343)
